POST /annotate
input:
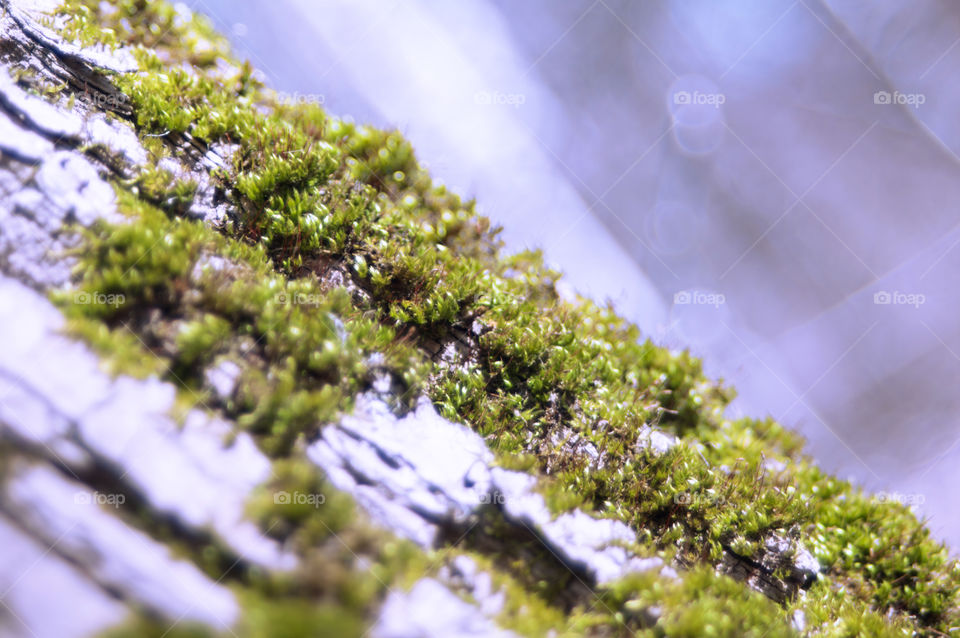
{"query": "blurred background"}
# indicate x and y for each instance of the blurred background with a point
(770, 183)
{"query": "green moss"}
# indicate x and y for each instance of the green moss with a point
(296, 501)
(527, 613)
(168, 306)
(310, 194)
(161, 188)
(181, 36)
(298, 618)
(28, 79)
(141, 626)
(700, 604)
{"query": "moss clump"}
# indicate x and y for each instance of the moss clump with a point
(184, 295)
(312, 195)
(159, 186)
